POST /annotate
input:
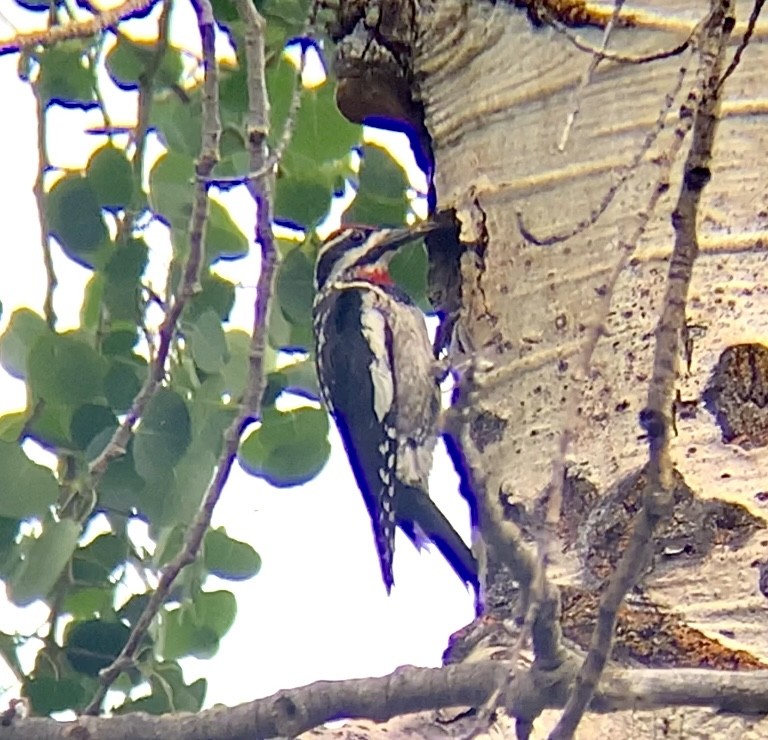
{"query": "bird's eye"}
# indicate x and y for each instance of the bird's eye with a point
(358, 236)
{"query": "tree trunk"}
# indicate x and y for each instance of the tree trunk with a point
(497, 92)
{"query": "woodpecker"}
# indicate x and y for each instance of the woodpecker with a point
(379, 381)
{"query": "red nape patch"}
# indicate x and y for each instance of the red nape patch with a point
(378, 275)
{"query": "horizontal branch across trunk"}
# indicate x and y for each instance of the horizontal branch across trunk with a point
(409, 689)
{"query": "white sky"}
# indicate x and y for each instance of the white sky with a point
(318, 609)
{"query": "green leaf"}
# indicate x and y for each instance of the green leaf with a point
(64, 76)
(12, 425)
(121, 488)
(179, 120)
(381, 196)
(123, 380)
(23, 331)
(84, 603)
(321, 133)
(163, 436)
(284, 335)
(303, 191)
(65, 370)
(207, 342)
(235, 372)
(75, 219)
(128, 60)
(26, 488)
(48, 694)
(94, 563)
(171, 189)
(111, 177)
(8, 554)
(295, 287)
(90, 420)
(93, 645)
(90, 311)
(122, 289)
(228, 558)
(49, 424)
(181, 635)
(299, 378)
(289, 448)
(45, 560)
(216, 610)
(216, 293)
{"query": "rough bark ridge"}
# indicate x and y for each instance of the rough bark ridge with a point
(497, 91)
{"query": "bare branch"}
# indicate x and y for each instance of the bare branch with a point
(51, 281)
(260, 186)
(587, 76)
(74, 30)
(702, 108)
(409, 689)
(209, 156)
(744, 43)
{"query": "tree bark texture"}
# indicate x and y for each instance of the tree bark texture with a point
(497, 92)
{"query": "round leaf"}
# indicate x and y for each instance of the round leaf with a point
(28, 489)
(163, 435)
(47, 694)
(45, 560)
(24, 329)
(88, 421)
(289, 448)
(111, 178)
(207, 342)
(93, 645)
(75, 219)
(295, 287)
(64, 76)
(65, 370)
(228, 558)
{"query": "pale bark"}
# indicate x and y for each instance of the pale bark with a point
(497, 95)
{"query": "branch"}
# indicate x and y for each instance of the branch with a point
(189, 284)
(702, 107)
(409, 689)
(39, 193)
(209, 156)
(74, 30)
(260, 186)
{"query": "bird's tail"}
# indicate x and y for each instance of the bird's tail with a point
(419, 517)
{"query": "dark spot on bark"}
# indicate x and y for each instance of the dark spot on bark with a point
(697, 177)
(486, 429)
(737, 395)
(693, 528)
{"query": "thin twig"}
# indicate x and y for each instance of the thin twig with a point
(273, 158)
(74, 30)
(586, 78)
(51, 281)
(613, 56)
(118, 444)
(626, 173)
(702, 109)
(745, 39)
(594, 333)
(209, 156)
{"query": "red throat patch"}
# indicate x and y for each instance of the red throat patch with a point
(378, 275)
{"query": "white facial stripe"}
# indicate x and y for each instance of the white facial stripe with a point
(374, 324)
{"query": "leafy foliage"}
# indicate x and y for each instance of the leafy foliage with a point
(66, 534)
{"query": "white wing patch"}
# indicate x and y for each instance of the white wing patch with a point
(374, 331)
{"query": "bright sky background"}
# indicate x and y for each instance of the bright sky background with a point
(318, 608)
